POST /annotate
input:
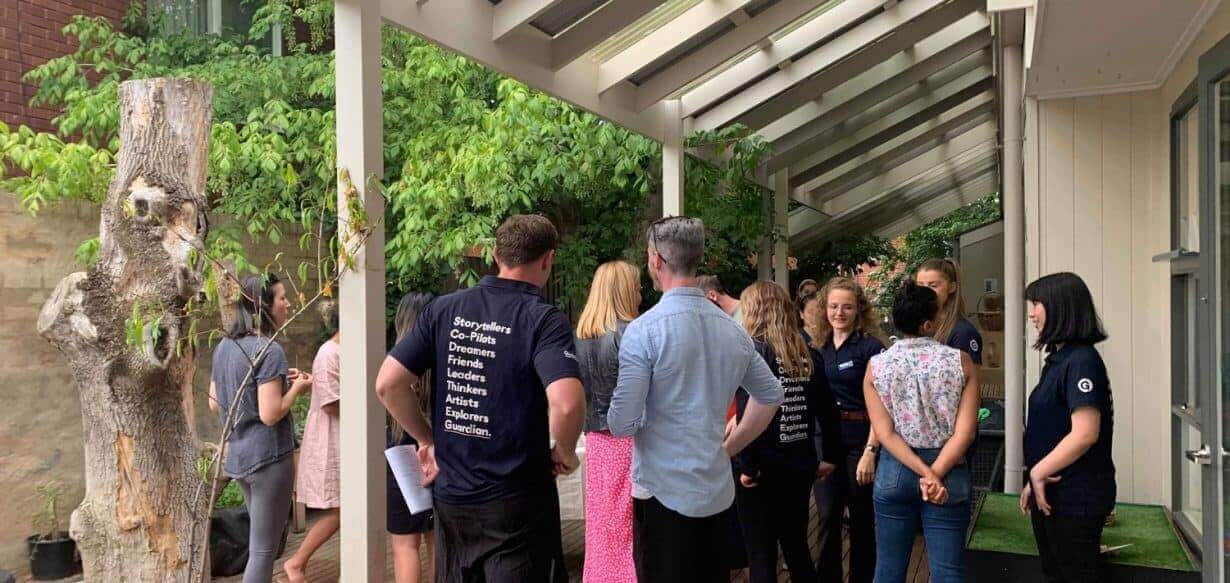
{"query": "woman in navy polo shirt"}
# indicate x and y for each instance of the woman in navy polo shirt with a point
(943, 276)
(776, 471)
(1071, 486)
(844, 339)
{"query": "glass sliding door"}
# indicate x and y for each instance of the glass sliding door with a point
(1213, 323)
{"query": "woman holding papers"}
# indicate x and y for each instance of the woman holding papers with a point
(407, 531)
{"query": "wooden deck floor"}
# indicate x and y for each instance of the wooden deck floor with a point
(324, 566)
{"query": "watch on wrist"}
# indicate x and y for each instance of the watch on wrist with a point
(872, 449)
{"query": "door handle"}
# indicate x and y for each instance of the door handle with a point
(1202, 456)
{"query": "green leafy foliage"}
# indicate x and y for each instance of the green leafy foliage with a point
(47, 519)
(935, 239)
(230, 497)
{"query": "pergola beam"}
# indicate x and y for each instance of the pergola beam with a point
(835, 62)
(510, 14)
(854, 174)
(461, 26)
(747, 34)
(666, 38)
(860, 155)
(918, 213)
(808, 227)
(885, 113)
(960, 147)
(934, 62)
(782, 50)
(600, 25)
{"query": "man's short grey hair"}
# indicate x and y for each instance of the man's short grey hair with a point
(680, 242)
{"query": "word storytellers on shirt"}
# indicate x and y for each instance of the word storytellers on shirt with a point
(471, 350)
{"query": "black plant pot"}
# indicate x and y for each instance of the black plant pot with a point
(50, 559)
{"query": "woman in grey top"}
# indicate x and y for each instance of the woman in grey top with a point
(614, 297)
(250, 374)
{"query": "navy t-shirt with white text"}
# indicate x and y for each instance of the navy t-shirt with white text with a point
(494, 348)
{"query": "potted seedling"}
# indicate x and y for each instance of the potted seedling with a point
(53, 555)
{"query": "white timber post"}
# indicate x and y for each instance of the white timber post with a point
(781, 228)
(764, 264)
(1014, 270)
(360, 160)
(674, 158)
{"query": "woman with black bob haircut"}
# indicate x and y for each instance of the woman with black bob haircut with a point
(1071, 485)
(922, 396)
(250, 371)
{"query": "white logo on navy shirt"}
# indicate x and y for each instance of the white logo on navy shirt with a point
(1085, 385)
(846, 365)
(973, 345)
(569, 354)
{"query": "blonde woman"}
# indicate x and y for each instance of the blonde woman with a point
(776, 471)
(614, 297)
(844, 337)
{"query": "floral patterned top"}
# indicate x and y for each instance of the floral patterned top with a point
(920, 382)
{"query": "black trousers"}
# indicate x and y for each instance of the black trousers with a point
(509, 540)
(771, 513)
(834, 495)
(669, 547)
(1069, 547)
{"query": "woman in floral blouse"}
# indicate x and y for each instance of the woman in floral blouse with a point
(922, 397)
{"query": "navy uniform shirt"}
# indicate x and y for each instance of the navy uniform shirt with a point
(1073, 377)
(965, 337)
(845, 367)
(494, 349)
(786, 446)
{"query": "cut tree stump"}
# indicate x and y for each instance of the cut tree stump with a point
(138, 516)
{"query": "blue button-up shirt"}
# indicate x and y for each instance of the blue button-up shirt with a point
(679, 366)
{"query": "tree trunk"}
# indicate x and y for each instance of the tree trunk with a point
(137, 518)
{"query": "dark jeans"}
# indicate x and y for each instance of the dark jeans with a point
(833, 496)
(509, 540)
(899, 511)
(1068, 547)
(772, 512)
(669, 547)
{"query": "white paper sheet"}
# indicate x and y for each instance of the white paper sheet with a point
(404, 461)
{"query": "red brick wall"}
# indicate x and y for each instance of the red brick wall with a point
(29, 36)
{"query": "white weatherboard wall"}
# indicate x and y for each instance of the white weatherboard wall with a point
(1097, 204)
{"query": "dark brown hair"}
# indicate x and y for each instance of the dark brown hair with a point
(524, 238)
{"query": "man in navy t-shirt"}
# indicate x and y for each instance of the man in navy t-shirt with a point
(505, 379)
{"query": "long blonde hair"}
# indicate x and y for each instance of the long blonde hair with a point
(769, 316)
(614, 295)
(864, 323)
(954, 310)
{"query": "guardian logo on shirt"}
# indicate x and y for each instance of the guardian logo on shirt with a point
(973, 345)
(1084, 385)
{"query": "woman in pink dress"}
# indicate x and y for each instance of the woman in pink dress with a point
(317, 483)
(614, 298)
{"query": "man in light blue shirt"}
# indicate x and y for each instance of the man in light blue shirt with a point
(679, 366)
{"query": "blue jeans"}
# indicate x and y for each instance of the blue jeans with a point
(899, 510)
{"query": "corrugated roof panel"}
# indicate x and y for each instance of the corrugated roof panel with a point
(565, 14)
(641, 28)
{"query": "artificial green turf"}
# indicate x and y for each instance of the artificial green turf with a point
(1001, 527)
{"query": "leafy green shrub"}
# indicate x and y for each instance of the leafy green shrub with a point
(230, 497)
